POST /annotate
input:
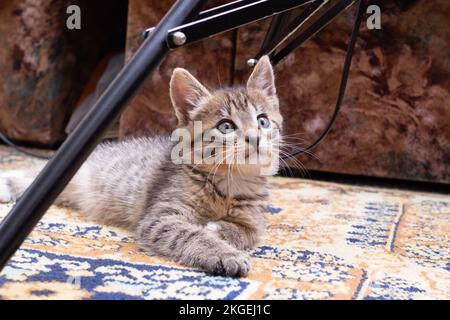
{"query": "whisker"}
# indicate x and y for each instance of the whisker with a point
(297, 164)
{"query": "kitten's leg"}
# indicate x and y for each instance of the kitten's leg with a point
(173, 236)
(242, 228)
(5, 191)
(237, 235)
(13, 183)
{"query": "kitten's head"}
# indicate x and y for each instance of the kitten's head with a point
(240, 127)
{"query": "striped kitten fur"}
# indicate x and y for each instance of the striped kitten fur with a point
(201, 215)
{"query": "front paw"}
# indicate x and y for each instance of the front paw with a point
(230, 264)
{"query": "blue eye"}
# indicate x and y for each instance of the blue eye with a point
(226, 127)
(263, 122)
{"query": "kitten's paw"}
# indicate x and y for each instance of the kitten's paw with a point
(5, 191)
(232, 264)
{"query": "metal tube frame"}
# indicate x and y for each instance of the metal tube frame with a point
(184, 17)
(241, 13)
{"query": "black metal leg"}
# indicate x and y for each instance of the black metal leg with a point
(309, 32)
(282, 27)
(231, 16)
(277, 26)
(21, 220)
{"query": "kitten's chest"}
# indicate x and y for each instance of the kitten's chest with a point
(215, 200)
(216, 207)
(212, 207)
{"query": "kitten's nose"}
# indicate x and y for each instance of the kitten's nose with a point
(253, 140)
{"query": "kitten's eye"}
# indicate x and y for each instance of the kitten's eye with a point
(226, 127)
(263, 122)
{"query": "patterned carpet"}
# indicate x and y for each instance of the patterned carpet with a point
(324, 241)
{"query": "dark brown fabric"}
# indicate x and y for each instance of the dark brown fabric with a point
(44, 66)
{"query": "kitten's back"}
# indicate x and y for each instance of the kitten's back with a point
(112, 184)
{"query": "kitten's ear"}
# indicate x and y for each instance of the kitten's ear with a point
(262, 77)
(185, 93)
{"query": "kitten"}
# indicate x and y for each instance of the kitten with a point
(201, 215)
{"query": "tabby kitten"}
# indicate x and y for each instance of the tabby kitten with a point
(202, 215)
